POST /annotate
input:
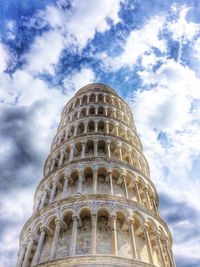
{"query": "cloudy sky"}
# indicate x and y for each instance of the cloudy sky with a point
(149, 51)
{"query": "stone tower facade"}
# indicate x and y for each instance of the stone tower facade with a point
(96, 205)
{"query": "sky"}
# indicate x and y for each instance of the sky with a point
(148, 51)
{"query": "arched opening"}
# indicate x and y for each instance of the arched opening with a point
(73, 183)
(100, 111)
(87, 181)
(101, 126)
(89, 148)
(123, 237)
(103, 183)
(71, 132)
(83, 113)
(64, 242)
(114, 150)
(92, 98)
(101, 148)
(84, 100)
(80, 129)
(77, 151)
(103, 233)
(100, 98)
(84, 233)
(59, 188)
(91, 127)
(118, 184)
(92, 111)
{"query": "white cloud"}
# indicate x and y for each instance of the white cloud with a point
(44, 53)
(85, 76)
(4, 56)
(139, 43)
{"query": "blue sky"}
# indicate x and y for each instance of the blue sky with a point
(148, 51)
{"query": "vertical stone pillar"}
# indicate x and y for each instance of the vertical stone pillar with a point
(28, 253)
(112, 100)
(132, 237)
(96, 148)
(88, 99)
(114, 114)
(96, 126)
(94, 181)
(71, 152)
(75, 130)
(107, 127)
(62, 155)
(74, 236)
(114, 235)
(108, 148)
(55, 239)
(36, 208)
(85, 127)
(111, 182)
(53, 164)
(94, 233)
(120, 151)
(83, 144)
(160, 249)
(53, 192)
(148, 243)
(125, 185)
(117, 129)
(104, 98)
(147, 197)
(80, 182)
(106, 111)
(81, 100)
(169, 254)
(65, 187)
(40, 246)
(21, 255)
(137, 191)
(44, 197)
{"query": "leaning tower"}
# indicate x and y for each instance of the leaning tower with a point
(96, 205)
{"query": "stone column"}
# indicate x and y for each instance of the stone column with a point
(66, 134)
(74, 236)
(88, 99)
(75, 129)
(55, 239)
(80, 182)
(108, 148)
(112, 100)
(96, 126)
(147, 197)
(114, 114)
(21, 255)
(125, 185)
(96, 98)
(85, 127)
(36, 208)
(137, 191)
(43, 201)
(71, 152)
(28, 253)
(154, 204)
(96, 148)
(148, 243)
(40, 246)
(117, 129)
(53, 192)
(132, 237)
(87, 111)
(114, 235)
(111, 182)
(130, 156)
(83, 144)
(96, 111)
(120, 151)
(94, 181)
(94, 234)
(106, 111)
(53, 164)
(107, 127)
(62, 155)
(104, 98)
(160, 249)
(169, 254)
(65, 187)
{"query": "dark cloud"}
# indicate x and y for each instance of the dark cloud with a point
(20, 165)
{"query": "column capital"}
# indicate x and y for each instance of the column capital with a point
(130, 220)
